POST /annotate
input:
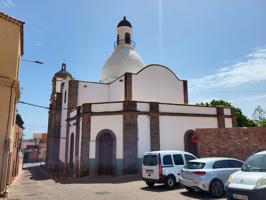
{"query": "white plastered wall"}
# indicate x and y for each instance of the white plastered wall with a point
(145, 107)
(116, 90)
(63, 122)
(58, 83)
(173, 129)
(97, 92)
(157, 83)
(111, 122)
(227, 111)
(143, 134)
(228, 123)
(103, 107)
(92, 93)
(187, 109)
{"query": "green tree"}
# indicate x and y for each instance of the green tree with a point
(259, 116)
(241, 119)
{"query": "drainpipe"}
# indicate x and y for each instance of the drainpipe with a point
(6, 143)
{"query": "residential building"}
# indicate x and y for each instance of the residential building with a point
(17, 156)
(35, 149)
(11, 50)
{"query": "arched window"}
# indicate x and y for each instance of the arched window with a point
(127, 38)
(71, 156)
(117, 40)
(65, 96)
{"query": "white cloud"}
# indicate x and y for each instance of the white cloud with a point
(10, 3)
(255, 98)
(6, 4)
(251, 70)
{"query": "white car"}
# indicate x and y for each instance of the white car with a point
(250, 182)
(209, 174)
(164, 166)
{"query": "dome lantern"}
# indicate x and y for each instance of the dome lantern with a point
(124, 33)
(124, 57)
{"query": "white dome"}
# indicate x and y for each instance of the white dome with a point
(122, 60)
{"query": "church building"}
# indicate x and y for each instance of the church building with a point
(105, 127)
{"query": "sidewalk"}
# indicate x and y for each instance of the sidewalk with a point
(33, 183)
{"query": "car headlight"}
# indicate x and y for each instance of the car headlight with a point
(261, 183)
(230, 179)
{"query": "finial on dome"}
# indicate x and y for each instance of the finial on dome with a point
(124, 22)
(63, 67)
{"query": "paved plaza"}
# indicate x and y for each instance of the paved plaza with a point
(34, 183)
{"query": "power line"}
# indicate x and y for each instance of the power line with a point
(34, 105)
(39, 106)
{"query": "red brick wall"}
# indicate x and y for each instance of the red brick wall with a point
(231, 142)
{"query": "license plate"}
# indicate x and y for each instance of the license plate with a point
(188, 173)
(240, 197)
(149, 172)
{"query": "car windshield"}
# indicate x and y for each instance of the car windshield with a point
(255, 163)
(150, 160)
(194, 165)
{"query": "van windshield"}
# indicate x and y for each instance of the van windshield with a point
(150, 160)
(255, 163)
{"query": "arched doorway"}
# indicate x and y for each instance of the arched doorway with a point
(106, 152)
(190, 146)
(71, 156)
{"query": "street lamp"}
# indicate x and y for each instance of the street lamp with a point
(33, 61)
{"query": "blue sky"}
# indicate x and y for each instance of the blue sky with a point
(219, 46)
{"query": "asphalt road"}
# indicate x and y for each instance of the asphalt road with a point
(34, 183)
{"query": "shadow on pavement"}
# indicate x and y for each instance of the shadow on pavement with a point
(160, 188)
(39, 173)
(36, 172)
(201, 195)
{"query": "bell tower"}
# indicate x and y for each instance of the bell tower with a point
(54, 120)
(124, 34)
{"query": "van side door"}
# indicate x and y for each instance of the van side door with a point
(178, 165)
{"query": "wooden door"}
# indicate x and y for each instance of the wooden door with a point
(106, 154)
(189, 146)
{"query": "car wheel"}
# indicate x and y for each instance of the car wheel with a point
(190, 189)
(170, 182)
(150, 184)
(217, 188)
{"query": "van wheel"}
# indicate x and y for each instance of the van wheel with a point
(170, 181)
(150, 184)
(217, 188)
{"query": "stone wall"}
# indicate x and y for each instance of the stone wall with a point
(130, 137)
(54, 129)
(231, 142)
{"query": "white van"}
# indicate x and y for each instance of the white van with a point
(164, 166)
(250, 182)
